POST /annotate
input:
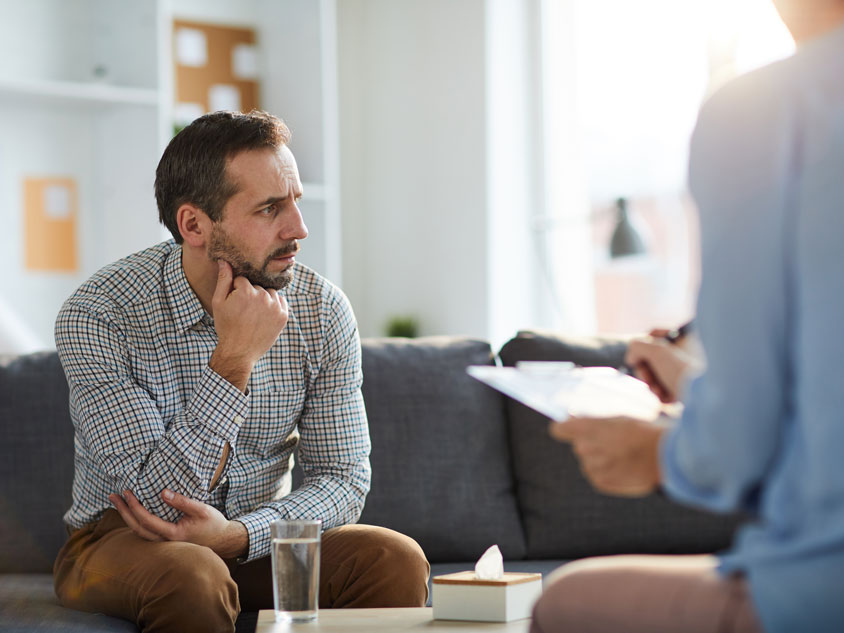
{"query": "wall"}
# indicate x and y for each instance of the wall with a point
(413, 154)
(515, 254)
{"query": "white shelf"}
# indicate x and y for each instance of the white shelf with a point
(78, 92)
(58, 118)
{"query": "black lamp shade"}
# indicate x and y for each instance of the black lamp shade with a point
(625, 239)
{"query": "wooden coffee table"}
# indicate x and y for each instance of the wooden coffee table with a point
(383, 621)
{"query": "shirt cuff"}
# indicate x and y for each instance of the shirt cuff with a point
(258, 528)
(218, 404)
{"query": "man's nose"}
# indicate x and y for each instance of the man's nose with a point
(294, 227)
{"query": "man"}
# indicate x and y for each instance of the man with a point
(195, 368)
(762, 429)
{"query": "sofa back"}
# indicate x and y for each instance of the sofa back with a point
(36, 461)
(441, 470)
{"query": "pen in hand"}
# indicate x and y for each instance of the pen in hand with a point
(672, 365)
(674, 336)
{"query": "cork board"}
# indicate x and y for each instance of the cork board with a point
(215, 68)
(50, 217)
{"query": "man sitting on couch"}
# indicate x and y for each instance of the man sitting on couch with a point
(195, 368)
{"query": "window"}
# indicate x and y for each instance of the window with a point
(621, 86)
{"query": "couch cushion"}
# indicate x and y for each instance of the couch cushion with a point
(562, 515)
(440, 460)
(36, 461)
(28, 603)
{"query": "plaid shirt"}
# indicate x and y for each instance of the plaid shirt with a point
(149, 414)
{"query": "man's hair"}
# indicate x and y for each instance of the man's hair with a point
(193, 167)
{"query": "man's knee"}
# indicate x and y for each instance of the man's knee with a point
(382, 567)
(168, 586)
(400, 558)
(194, 592)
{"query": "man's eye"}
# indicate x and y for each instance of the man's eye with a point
(267, 210)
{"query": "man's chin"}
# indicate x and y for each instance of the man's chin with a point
(279, 281)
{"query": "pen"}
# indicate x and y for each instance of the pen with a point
(674, 336)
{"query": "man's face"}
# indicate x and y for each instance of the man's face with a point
(261, 224)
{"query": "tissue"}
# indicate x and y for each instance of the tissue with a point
(490, 565)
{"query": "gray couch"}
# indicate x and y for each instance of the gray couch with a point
(455, 465)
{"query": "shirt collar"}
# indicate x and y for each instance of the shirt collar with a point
(184, 304)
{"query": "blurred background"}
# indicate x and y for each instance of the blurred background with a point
(469, 166)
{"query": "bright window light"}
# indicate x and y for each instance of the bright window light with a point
(624, 82)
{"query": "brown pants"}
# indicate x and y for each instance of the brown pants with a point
(644, 594)
(175, 586)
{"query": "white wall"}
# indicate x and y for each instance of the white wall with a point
(413, 158)
(514, 174)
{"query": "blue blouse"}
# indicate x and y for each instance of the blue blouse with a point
(763, 427)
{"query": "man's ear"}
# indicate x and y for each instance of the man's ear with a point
(194, 225)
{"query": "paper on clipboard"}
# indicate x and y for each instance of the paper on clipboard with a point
(560, 390)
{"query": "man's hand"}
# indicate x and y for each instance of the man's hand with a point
(661, 365)
(201, 524)
(619, 456)
(248, 320)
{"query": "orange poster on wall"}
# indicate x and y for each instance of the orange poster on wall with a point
(49, 206)
(215, 67)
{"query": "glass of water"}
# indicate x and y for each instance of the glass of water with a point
(295, 560)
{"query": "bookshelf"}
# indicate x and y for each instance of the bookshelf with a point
(86, 93)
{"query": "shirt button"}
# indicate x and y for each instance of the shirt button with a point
(238, 420)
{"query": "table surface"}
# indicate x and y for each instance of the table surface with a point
(383, 621)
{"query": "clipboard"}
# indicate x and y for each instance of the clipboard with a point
(560, 390)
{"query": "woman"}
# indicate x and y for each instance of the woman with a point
(762, 428)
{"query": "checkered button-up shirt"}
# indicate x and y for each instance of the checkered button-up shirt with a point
(149, 414)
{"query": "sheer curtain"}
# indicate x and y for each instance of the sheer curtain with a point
(622, 83)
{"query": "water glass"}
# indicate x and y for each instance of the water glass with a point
(295, 561)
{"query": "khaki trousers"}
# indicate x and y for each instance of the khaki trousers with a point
(644, 594)
(181, 587)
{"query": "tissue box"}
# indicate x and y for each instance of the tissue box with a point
(462, 596)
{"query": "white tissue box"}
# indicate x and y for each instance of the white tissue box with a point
(462, 596)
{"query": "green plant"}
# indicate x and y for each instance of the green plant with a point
(405, 326)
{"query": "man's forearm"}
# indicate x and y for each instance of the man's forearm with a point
(200, 523)
(235, 370)
(234, 542)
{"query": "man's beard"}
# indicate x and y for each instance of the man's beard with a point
(221, 246)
